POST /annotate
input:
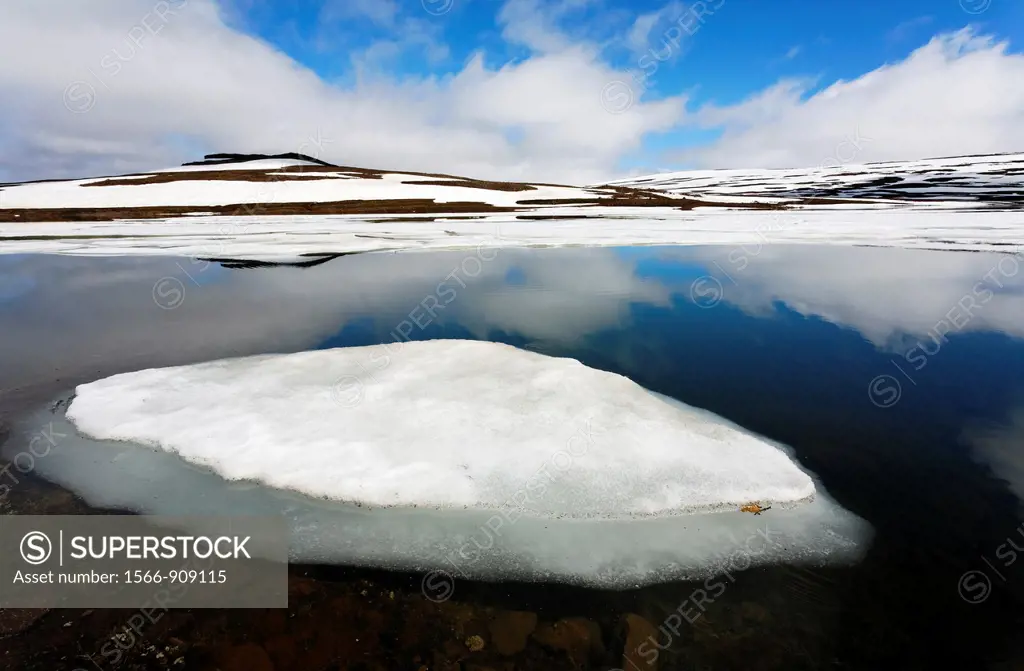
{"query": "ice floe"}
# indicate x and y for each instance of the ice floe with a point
(469, 457)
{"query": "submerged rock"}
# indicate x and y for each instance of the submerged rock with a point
(577, 637)
(639, 652)
(510, 630)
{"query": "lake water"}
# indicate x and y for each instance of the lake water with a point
(896, 376)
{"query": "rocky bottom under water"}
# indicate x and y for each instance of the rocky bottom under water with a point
(345, 618)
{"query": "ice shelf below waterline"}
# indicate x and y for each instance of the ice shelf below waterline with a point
(446, 424)
(494, 545)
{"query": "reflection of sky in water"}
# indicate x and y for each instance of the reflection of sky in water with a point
(515, 277)
(882, 293)
(13, 286)
(799, 334)
(789, 352)
(195, 272)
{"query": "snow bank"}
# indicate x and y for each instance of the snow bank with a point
(474, 458)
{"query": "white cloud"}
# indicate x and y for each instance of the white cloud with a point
(536, 24)
(895, 298)
(401, 34)
(199, 85)
(906, 28)
(109, 305)
(640, 32)
(638, 40)
(409, 35)
(167, 80)
(961, 93)
(999, 446)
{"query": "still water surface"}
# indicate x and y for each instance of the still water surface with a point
(896, 376)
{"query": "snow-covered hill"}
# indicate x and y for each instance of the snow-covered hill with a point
(995, 178)
(293, 208)
(293, 184)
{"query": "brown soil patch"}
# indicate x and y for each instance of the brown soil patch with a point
(478, 184)
(553, 217)
(296, 173)
(613, 202)
(398, 206)
(623, 196)
(391, 220)
(210, 175)
(830, 201)
(651, 201)
(395, 206)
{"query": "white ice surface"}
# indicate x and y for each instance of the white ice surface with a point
(585, 479)
(447, 424)
(926, 226)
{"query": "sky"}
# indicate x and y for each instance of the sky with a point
(569, 91)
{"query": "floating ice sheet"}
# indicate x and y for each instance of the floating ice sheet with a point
(475, 458)
(443, 424)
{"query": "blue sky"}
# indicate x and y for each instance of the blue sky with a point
(740, 47)
(729, 50)
(566, 90)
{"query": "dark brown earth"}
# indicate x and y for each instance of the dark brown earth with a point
(298, 173)
(477, 184)
(390, 220)
(379, 207)
(403, 206)
(208, 175)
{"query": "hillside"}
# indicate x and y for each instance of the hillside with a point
(997, 178)
(294, 184)
(296, 209)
